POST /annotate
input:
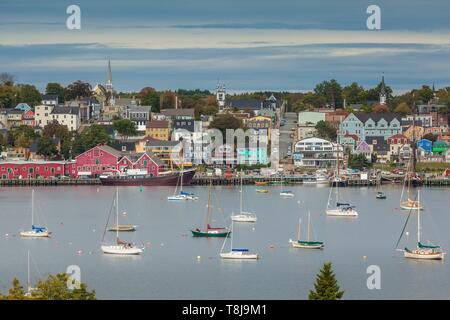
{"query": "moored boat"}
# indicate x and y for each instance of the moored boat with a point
(169, 178)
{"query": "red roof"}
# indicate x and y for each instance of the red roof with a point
(354, 136)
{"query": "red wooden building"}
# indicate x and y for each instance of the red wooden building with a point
(20, 169)
(104, 159)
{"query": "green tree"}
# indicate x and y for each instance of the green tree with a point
(326, 286)
(94, 135)
(29, 94)
(16, 292)
(358, 161)
(331, 91)
(354, 93)
(149, 97)
(56, 88)
(22, 141)
(424, 94)
(326, 131)
(21, 136)
(125, 127)
(78, 89)
(9, 95)
(46, 148)
(3, 142)
(53, 288)
(402, 108)
(54, 129)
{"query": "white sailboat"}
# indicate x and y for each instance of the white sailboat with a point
(236, 253)
(409, 204)
(121, 247)
(36, 231)
(243, 216)
(306, 244)
(422, 251)
(341, 209)
(181, 196)
(285, 193)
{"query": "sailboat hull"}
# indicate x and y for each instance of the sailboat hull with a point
(34, 234)
(423, 254)
(341, 213)
(123, 228)
(239, 255)
(121, 250)
(287, 194)
(244, 217)
(307, 244)
(211, 233)
(411, 205)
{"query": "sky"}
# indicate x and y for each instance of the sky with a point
(248, 45)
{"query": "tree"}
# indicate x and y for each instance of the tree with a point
(326, 131)
(149, 97)
(54, 129)
(56, 88)
(125, 127)
(94, 135)
(2, 142)
(167, 100)
(8, 96)
(326, 286)
(21, 136)
(424, 94)
(29, 94)
(225, 121)
(16, 292)
(353, 93)
(358, 161)
(46, 148)
(430, 136)
(78, 89)
(331, 91)
(22, 141)
(380, 108)
(7, 79)
(402, 108)
(53, 288)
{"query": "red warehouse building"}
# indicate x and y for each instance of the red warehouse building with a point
(105, 159)
(32, 169)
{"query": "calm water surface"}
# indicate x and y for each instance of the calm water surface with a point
(170, 268)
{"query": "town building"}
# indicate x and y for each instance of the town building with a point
(396, 146)
(370, 124)
(158, 129)
(68, 116)
(50, 100)
(317, 153)
(139, 115)
(169, 152)
(379, 148)
(21, 169)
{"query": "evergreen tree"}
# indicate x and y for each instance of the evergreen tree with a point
(326, 286)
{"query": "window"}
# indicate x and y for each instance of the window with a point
(97, 161)
(145, 163)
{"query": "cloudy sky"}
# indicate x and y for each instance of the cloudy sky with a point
(247, 44)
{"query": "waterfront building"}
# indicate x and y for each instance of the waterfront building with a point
(316, 153)
(425, 119)
(21, 169)
(414, 132)
(364, 148)
(425, 146)
(396, 146)
(105, 159)
(440, 147)
(306, 131)
(167, 151)
(260, 125)
(336, 117)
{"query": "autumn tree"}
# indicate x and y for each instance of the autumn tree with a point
(167, 100)
(225, 121)
(380, 108)
(331, 91)
(402, 108)
(149, 97)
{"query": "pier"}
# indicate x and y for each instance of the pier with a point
(47, 182)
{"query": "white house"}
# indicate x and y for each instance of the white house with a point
(69, 116)
(317, 153)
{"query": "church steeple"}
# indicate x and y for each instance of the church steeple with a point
(220, 95)
(383, 95)
(109, 84)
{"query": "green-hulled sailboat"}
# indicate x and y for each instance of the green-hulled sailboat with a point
(306, 244)
(210, 231)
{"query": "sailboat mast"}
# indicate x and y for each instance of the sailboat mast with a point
(299, 228)
(309, 222)
(117, 213)
(182, 169)
(28, 272)
(232, 232)
(241, 194)
(208, 214)
(418, 216)
(32, 207)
